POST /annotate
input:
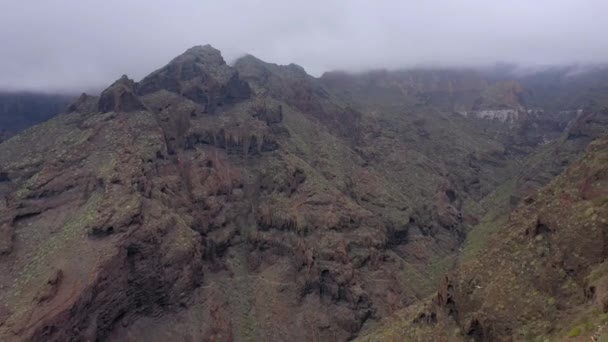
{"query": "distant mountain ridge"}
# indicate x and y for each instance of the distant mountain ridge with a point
(20, 110)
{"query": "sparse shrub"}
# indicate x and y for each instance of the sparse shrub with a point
(574, 332)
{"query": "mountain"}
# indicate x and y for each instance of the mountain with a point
(256, 202)
(542, 275)
(19, 111)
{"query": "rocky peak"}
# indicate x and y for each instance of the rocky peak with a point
(287, 82)
(201, 75)
(251, 67)
(291, 84)
(297, 69)
(204, 54)
(120, 97)
(85, 103)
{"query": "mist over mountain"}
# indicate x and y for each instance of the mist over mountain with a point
(325, 171)
(76, 46)
(211, 201)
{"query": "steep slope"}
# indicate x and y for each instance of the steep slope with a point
(542, 274)
(84, 243)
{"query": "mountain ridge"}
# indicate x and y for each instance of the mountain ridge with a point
(254, 201)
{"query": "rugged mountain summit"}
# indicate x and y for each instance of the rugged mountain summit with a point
(201, 75)
(255, 202)
(120, 97)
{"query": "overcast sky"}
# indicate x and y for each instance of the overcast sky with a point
(75, 45)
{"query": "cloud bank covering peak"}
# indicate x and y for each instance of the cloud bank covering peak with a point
(75, 45)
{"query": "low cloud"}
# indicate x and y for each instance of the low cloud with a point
(75, 45)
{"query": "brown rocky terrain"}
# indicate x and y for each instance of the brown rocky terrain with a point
(256, 202)
(542, 275)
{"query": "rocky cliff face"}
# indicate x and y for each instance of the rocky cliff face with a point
(255, 202)
(200, 75)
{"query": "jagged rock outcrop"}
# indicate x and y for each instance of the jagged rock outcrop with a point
(120, 97)
(271, 115)
(85, 103)
(201, 75)
(294, 86)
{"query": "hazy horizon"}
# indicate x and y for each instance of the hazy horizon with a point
(65, 46)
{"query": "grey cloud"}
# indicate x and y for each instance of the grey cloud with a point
(74, 45)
